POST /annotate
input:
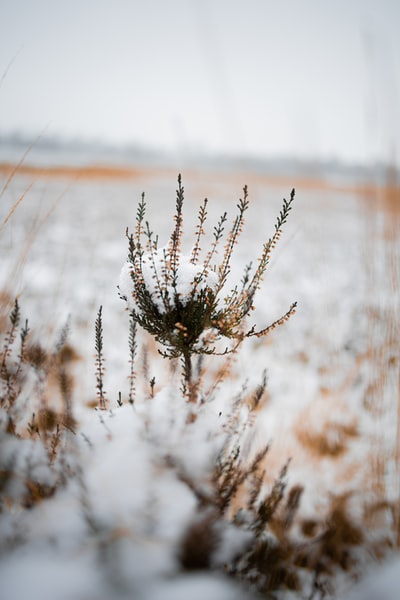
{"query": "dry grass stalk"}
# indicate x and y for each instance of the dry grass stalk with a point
(382, 230)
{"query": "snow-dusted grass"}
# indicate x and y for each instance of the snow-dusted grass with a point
(125, 502)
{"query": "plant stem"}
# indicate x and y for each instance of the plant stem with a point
(188, 386)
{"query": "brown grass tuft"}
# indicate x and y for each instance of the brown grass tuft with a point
(331, 442)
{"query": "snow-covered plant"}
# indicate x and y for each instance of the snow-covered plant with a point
(182, 300)
(31, 429)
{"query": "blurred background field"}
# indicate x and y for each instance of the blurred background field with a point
(100, 104)
(64, 245)
(332, 400)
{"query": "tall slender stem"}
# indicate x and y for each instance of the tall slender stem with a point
(188, 385)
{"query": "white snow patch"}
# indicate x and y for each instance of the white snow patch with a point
(383, 583)
(191, 279)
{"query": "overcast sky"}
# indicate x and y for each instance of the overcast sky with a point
(306, 78)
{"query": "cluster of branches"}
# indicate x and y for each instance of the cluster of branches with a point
(193, 324)
(28, 369)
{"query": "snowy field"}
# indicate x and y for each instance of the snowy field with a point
(114, 528)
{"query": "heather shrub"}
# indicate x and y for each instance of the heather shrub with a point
(36, 384)
(187, 301)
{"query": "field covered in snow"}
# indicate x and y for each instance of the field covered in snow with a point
(112, 503)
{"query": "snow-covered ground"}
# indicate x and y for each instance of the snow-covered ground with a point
(331, 400)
